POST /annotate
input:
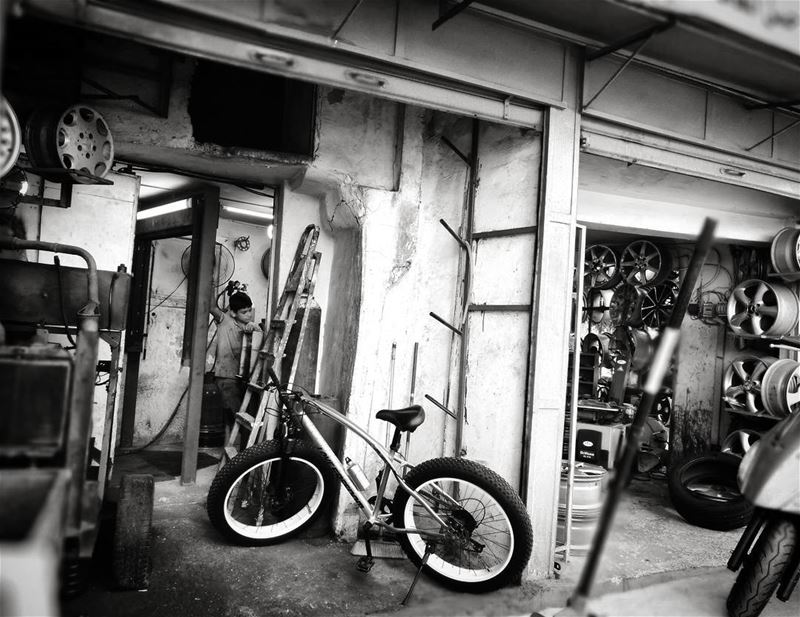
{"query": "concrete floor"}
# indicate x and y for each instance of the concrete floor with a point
(197, 573)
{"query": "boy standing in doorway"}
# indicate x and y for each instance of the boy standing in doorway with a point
(232, 328)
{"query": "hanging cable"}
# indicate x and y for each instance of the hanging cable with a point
(57, 263)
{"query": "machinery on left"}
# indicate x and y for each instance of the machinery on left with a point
(54, 475)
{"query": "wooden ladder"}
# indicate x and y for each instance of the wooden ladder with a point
(296, 294)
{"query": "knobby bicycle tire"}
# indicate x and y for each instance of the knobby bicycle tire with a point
(489, 537)
(246, 505)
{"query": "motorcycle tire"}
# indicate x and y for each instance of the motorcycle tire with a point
(762, 569)
(704, 491)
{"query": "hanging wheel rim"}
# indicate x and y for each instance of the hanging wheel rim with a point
(781, 388)
(644, 263)
(657, 304)
(83, 142)
(595, 306)
(742, 382)
(10, 137)
(601, 267)
(642, 349)
(759, 308)
(625, 307)
(785, 251)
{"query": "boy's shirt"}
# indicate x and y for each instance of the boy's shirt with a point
(229, 347)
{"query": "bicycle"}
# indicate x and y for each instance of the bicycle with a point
(455, 519)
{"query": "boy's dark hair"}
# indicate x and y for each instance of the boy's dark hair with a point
(239, 301)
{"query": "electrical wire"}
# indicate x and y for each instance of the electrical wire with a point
(57, 263)
(174, 413)
(169, 295)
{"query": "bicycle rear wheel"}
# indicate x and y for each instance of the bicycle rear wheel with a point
(258, 498)
(487, 539)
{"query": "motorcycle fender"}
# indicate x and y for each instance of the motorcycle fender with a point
(751, 532)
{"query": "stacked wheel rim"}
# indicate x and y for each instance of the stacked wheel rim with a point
(742, 382)
(740, 441)
(780, 388)
(785, 251)
(759, 308)
(644, 263)
(10, 137)
(601, 267)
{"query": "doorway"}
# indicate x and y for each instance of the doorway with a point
(170, 332)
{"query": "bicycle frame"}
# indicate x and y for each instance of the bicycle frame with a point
(374, 517)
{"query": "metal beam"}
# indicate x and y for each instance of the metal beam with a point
(775, 134)
(628, 40)
(347, 17)
(779, 104)
(618, 72)
(452, 12)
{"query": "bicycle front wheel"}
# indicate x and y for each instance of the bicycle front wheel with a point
(487, 538)
(261, 497)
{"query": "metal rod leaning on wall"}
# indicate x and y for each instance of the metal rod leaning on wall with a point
(573, 399)
(668, 342)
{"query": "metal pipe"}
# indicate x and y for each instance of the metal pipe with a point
(461, 409)
(573, 402)
(68, 249)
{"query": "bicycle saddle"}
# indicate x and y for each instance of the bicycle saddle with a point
(406, 419)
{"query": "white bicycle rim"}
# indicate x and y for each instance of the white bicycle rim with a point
(500, 527)
(263, 532)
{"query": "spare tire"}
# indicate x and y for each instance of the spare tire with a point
(704, 491)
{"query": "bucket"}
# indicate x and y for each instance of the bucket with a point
(587, 501)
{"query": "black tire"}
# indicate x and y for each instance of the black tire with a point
(248, 480)
(762, 569)
(467, 558)
(704, 491)
(132, 559)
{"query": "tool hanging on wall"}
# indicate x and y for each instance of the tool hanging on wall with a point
(297, 293)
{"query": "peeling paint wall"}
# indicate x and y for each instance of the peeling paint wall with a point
(410, 266)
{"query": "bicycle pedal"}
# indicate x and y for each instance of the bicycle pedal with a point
(365, 563)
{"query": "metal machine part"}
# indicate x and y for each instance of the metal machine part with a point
(600, 344)
(757, 308)
(742, 382)
(644, 263)
(10, 137)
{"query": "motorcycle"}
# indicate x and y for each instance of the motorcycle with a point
(768, 552)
